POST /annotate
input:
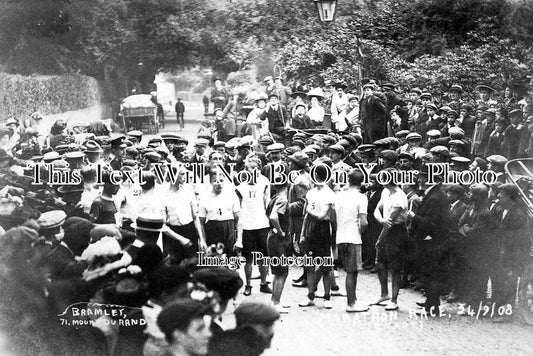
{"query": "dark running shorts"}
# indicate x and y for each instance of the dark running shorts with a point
(223, 232)
(254, 241)
(318, 241)
(390, 252)
(351, 257)
(278, 246)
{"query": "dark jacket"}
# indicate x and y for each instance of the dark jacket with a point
(276, 118)
(303, 122)
(373, 115)
(62, 264)
(433, 216)
(456, 212)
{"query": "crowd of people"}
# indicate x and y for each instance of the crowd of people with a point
(89, 215)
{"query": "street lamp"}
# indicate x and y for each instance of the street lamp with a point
(326, 9)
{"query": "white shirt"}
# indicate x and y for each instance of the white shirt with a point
(318, 201)
(178, 205)
(316, 113)
(394, 200)
(219, 207)
(348, 205)
(253, 213)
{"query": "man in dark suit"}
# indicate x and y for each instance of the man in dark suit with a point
(61, 260)
(373, 115)
(371, 233)
(512, 135)
(430, 228)
(277, 116)
(515, 237)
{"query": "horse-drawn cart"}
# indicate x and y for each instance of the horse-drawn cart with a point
(139, 113)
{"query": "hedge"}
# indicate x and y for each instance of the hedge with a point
(21, 95)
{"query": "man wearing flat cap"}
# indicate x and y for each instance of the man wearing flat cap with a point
(118, 148)
(50, 224)
(277, 116)
(430, 228)
(512, 135)
(186, 325)
(373, 115)
(200, 147)
(497, 165)
(454, 96)
(485, 96)
(252, 335)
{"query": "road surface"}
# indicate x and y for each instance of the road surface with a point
(317, 331)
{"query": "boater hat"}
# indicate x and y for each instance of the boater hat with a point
(152, 223)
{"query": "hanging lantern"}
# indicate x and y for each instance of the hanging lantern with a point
(326, 9)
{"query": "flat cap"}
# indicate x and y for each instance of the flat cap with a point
(220, 279)
(485, 87)
(153, 156)
(135, 133)
(366, 148)
(456, 88)
(433, 133)
(413, 136)
(416, 91)
(201, 142)
(389, 155)
(309, 150)
(329, 139)
(156, 141)
(232, 143)
(432, 106)
(219, 144)
(291, 150)
(497, 159)
(299, 135)
(406, 155)
(402, 133)
(51, 219)
(299, 158)
(253, 313)
(51, 156)
(266, 140)
(388, 86)
(275, 147)
(456, 132)
(515, 112)
(426, 96)
(351, 139)
(439, 150)
(171, 137)
(457, 143)
(179, 314)
(337, 148)
(74, 155)
(461, 160)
